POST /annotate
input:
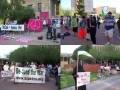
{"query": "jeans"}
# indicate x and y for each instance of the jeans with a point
(54, 33)
(56, 77)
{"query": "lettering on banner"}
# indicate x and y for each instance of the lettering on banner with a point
(5, 27)
(19, 27)
(13, 27)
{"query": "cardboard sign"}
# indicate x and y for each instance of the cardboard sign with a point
(44, 15)
(6, 73)
(29, 75)
(35, 25)
(88, 4)
(12, 27)
(83, 78)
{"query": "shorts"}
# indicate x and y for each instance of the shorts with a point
(75, 29)
(109, 33)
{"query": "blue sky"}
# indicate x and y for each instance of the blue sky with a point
(96, 3)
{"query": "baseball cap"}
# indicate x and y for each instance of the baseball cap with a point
(109, 12)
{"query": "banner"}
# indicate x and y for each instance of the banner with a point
(35, 25)
(12, 27)
(6, 73)
(83, 78)
(57, 21)
(29, 75)
(88, 4)
(44, 15)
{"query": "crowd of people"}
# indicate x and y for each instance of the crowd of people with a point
(49, 69)
(90, 24)
(107, 69)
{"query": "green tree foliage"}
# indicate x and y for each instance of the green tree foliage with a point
(83, 48)
(65, 12)
(80, 8)
(35, 53)
(14, 10)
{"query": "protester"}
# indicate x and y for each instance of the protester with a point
(80, 69)
(88, 19)
(33, 65)
(44, 23)
(67, 33)
(59, 72)
(118, 24)
(56, 74)
(98, 22)
(47, 73)
(109, 26)
(61, 21)
(99, 75)
(74, 24)
(82, 23)
(93, 30)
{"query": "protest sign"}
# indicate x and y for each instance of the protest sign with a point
(57, 21)
(35, 25)
(29, 75)
(83, 78)
(88, 4)
(12, 27)
(6, 73)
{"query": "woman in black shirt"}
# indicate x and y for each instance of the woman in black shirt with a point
(93, 30)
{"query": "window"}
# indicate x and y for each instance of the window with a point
(30, 6)
(39, 7)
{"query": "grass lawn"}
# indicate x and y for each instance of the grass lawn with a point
(67, 80)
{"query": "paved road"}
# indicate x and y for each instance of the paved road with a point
(100, 37)
(33, 36)
(9, 85)
(110, 83)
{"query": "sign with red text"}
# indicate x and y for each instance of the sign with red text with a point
(6, 73)
(83, 78)
(35, 25)
(44, 15)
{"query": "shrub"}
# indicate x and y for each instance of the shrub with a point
(66, 71)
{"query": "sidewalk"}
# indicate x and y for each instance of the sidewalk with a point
(110, 83)
(33, 36)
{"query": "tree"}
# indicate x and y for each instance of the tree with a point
(14, 10)
(80, 8)
(84, 47)
(35, 53)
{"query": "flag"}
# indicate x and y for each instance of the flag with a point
(103, 14)
(85, 53)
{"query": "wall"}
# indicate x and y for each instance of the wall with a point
(87, 67)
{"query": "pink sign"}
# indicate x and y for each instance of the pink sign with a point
(35, 25)
(44, 15)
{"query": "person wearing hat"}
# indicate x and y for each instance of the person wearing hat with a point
(80, 69)
(109, 26)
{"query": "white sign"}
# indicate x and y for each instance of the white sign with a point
(83, 78)
(105, 9)
(29, 75)
(12, 27)
(88, 4)
(57, 20)
(6, 73)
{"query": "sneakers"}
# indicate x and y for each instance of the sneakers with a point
(118, 37)
(107, 43)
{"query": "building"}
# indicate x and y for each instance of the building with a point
(98, 10)
(65, 59)
(73, 5)
(51, 6)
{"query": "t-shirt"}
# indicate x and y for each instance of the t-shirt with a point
(109, 21)
(12, 68)
(74, 22)
(5, 67)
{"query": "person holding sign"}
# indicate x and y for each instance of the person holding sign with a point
(74, 24)
(80, 69)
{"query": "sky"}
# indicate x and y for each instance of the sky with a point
(6, 49)
(96, 3)
(68, 48)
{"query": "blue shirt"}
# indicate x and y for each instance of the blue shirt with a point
(109, 21)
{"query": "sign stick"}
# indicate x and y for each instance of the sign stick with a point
(77, 70)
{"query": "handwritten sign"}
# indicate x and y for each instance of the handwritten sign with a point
(88, 4)
(44, 15)
(83, 78)
(35, 25)
(12, 27)
(6, 73)
(29, 75)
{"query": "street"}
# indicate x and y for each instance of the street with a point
(100, 38)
